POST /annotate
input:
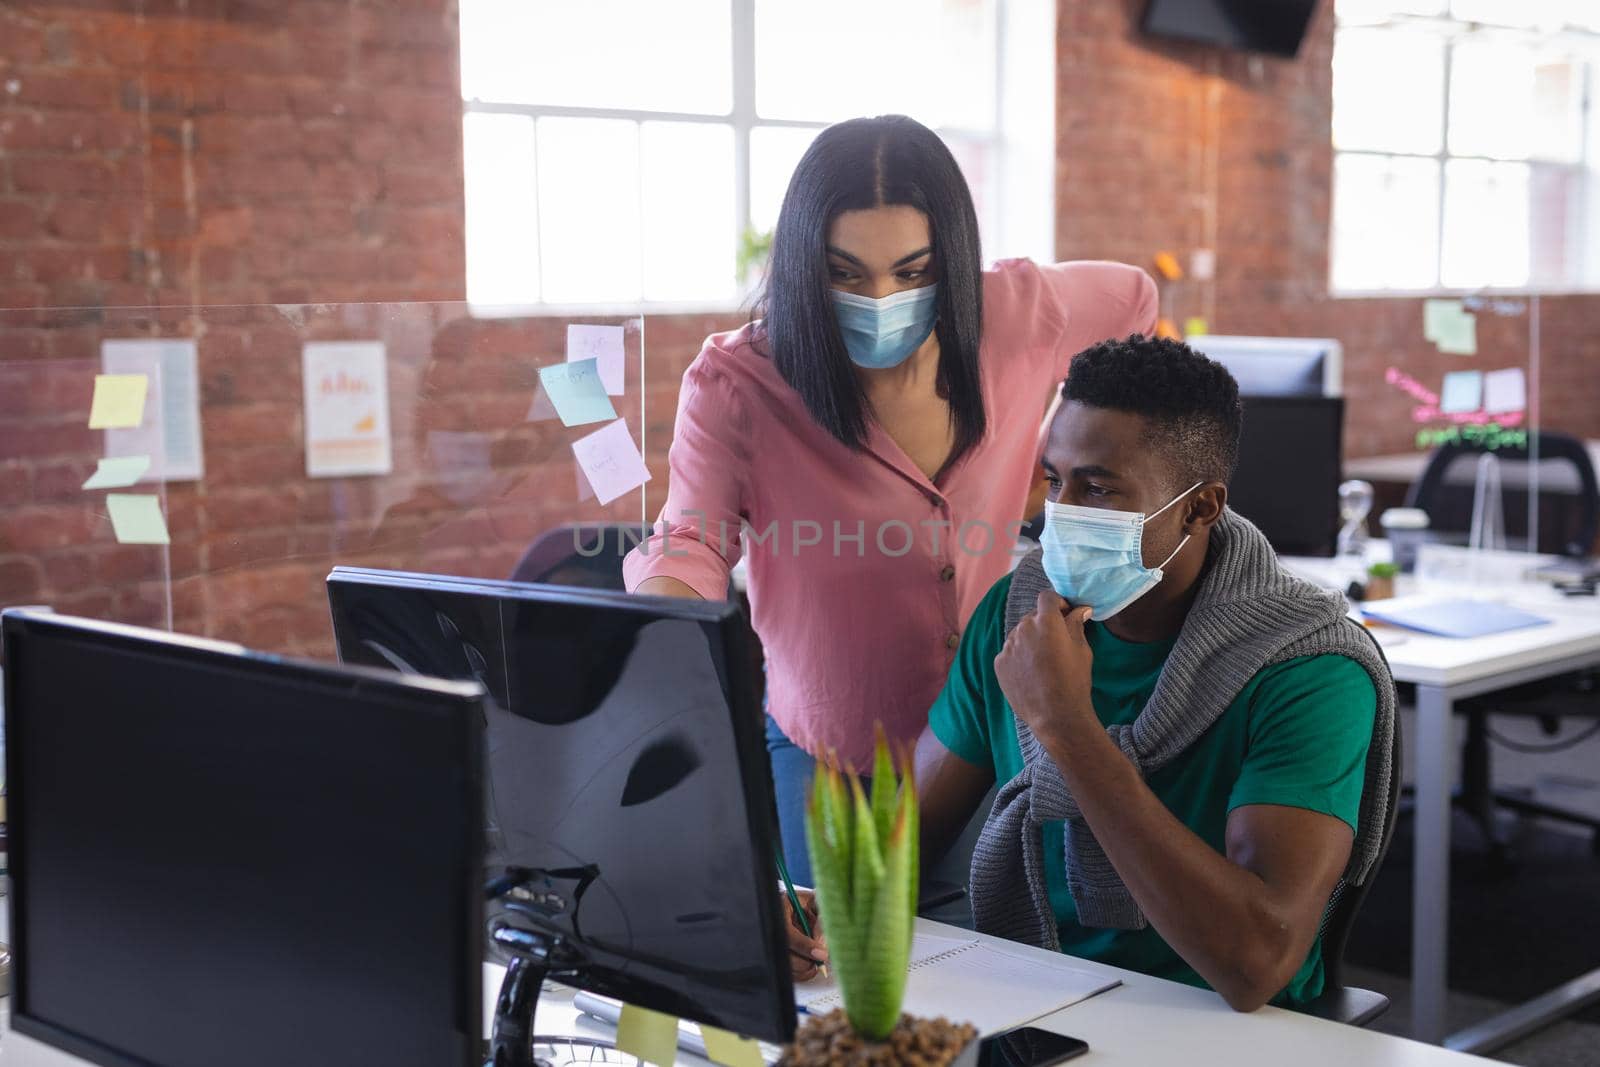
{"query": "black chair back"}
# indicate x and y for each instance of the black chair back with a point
(1577, 539)
(1340, 916)
(587, 554)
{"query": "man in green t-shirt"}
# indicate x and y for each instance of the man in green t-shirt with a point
(1223, 856)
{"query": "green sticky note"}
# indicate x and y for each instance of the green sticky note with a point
(118, 401)
(578, 392)
(649, 1035)
(1458, 336)
(136, 519)
(118, 472)
(730, 1050)
(1196, 327)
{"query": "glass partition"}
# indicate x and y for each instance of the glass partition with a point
(277, 441)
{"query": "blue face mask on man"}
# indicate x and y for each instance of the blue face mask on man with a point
(1095, 558)
(883, 332)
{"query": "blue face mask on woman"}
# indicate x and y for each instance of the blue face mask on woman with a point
(1095, 557)
(881, 333)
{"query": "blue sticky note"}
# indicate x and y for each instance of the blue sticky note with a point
(577, 391)
(1462, 392)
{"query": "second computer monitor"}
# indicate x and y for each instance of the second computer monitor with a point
(627, 775)
(1287, 481)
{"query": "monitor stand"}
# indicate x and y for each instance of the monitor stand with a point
(534, 957)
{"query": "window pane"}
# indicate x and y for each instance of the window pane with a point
(502, 211)
(689, 220)
(774, 152)
(589, 210)
(640, 54)
(1491, 99)
(836, 59)
(1388, 90)
(1558, 110)
(1557, 227)
(1385, 222)
(1485, 224)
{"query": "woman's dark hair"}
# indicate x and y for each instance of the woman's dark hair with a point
(856, 165)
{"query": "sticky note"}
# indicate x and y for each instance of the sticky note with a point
(1462, 392)
(1505, 391)
(610, 461)
(1459, 336)
(1196, 327)
(1164, 328)
(118, 401)
(577, 391)
(118, 472)
(1168, 265)
(1436, 313)
(603, 343)
(136, 519)
(730, 1050)
(649, 1035)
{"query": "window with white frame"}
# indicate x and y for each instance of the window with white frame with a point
(618, 152)
(1467, 145)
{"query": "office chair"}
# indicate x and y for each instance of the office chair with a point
(1445, 505)
(1549, 701)
(1339, 1002)
(587, 554)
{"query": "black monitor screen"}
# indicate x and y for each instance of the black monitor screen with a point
(1275, 26)
(224, 858)
(1287, 482)
(625, 767)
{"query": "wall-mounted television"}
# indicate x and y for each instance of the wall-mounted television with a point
(1274, 26)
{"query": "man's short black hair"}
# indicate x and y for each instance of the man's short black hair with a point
(1191, 402)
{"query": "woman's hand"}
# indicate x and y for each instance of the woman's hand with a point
(806, 954)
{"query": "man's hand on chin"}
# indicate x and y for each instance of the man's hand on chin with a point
(1044, 671)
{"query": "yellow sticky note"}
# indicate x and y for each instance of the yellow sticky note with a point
(136, 519)
(118, 401)
(1196, 327)
(1164, 328)
(730, 1050)
(1168, 265)
(649, 1035)
(1458, 336)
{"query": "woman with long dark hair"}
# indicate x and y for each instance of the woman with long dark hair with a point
(873, 435)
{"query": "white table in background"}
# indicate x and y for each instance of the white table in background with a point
(1148, 1022)
(1444, 671)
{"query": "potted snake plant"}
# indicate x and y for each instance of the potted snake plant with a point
(864, 857)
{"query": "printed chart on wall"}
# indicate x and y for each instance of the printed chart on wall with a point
(347, 408)
(169, 434)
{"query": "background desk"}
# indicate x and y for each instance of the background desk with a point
(1146, 1022)
(1444, 671)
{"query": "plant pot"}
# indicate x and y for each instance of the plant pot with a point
(830, 1041)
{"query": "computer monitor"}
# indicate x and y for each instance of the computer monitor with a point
(1274, 26)
(1278, 366)
(225, 857)
(1290, 463)
(627, 773)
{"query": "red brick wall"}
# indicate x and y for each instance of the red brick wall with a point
(1165, 145)
(294, 159)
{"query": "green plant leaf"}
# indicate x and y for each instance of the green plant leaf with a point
(883, 787)
(882, 986)
(829, 865)
(912, 811)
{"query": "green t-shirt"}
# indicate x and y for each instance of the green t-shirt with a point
(1296, 735)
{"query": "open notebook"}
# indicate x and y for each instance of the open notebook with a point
(967, 980)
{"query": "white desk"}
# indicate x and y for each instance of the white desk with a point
(1146, 1022)
(1446, 670)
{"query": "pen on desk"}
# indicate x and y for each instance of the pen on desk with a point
(794, 902)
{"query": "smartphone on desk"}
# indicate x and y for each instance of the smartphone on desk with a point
(1028, 1046)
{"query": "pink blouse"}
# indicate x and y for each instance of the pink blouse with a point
(862, 571)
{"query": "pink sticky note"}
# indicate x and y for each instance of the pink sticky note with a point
(603, 343)
(611, 461)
